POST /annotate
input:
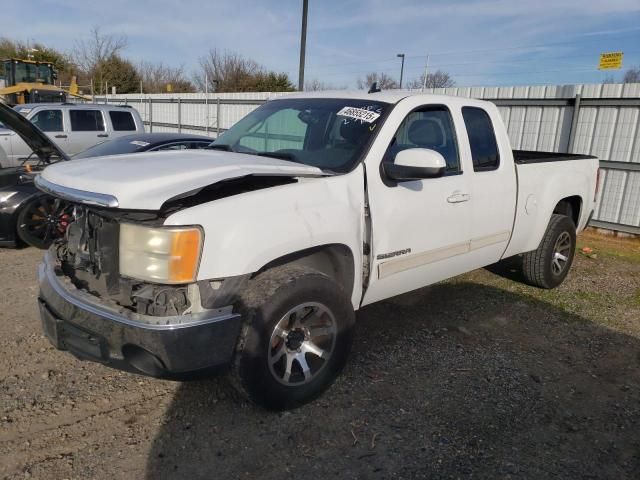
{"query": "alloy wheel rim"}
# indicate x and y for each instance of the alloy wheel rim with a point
(47, 220)
(561, 253)
(302, 343)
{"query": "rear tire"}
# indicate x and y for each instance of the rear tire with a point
(549, 264)
(296, 337)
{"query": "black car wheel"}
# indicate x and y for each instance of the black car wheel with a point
(42, 220)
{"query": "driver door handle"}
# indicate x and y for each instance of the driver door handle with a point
(458, 197)
(103, 135)
(61, 136)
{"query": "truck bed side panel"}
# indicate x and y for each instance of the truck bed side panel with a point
(541, 186)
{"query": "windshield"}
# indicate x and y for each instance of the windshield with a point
(330, 134)
(114, 147)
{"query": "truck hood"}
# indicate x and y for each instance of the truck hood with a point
(145, 181)
(41, 145)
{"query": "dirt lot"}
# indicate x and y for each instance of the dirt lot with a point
(478, 377)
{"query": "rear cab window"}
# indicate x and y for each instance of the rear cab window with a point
(86, 120)
(482, 139)
(48, 120)
(122, 121)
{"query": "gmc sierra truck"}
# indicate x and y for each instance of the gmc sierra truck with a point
(251, 257)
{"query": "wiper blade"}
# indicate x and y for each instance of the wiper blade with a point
(282, 155)
(220, 146)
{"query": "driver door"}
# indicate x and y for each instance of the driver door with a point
(420, 228)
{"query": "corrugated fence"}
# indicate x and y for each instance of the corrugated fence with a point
(599, 119)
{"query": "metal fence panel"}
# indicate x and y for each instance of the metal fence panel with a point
(598, 119)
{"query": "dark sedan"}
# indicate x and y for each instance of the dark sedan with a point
(30, 216)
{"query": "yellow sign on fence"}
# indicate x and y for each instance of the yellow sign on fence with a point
(610, 61)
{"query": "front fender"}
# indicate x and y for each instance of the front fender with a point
(245, 232)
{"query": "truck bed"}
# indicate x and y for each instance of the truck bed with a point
(531, 156)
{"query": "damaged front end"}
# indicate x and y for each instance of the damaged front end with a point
(91, 309)
(122, 288)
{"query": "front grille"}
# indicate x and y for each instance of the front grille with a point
(89, 252)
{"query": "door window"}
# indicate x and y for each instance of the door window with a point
(48, 120)
(86, 121)
(430, 128)
(482, 139)
(122, 121)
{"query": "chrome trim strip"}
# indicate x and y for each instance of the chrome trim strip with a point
(489, 240)
(73, 195)
(401, 264)
(45, 270)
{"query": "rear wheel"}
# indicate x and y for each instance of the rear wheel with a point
(549, 264)
(42, 220)
(296, 337)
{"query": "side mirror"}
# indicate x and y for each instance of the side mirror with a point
(415, 164)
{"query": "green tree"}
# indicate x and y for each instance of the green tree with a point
(273, 82)
(120, 73)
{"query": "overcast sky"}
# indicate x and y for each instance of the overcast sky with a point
(493, 42)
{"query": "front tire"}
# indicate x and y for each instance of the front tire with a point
(42, 220)
(297, 334)
(548, 265)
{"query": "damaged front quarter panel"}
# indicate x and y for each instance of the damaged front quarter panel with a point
(243, 233)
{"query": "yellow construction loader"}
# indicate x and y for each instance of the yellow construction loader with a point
(29, 81)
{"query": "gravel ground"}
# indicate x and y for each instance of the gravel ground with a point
(477, 377)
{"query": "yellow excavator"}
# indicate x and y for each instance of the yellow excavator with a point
(30, 81)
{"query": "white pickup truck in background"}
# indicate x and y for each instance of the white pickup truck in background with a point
(252, 257)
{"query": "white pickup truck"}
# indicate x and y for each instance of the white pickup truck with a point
(253, 256)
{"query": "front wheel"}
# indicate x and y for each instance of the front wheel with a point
(296, 337)
(42, 220)
(549, 264)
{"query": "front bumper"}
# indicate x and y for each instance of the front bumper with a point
(183, 345)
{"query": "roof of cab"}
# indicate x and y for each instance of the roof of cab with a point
(92, 106)
(387, 96)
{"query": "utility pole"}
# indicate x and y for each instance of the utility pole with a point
(303, 44)
(401, 55)
(426, 70)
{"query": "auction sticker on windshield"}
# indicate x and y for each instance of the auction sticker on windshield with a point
(359, 114)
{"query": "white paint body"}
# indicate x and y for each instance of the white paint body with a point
(502, 212)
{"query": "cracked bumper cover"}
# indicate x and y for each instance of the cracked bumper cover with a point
(77, 321)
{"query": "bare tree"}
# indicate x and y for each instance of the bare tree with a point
(438, 79)
(383, 80)
(316, 85)
(156, 77)
(231, 72)
(632, 75)
(91, 53)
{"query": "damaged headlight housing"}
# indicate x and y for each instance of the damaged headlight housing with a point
(162, 255)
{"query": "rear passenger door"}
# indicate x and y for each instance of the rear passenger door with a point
(88, 128)
(122, 123)
(493, 187)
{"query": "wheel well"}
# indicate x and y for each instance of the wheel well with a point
(335, 261)
(570, 207)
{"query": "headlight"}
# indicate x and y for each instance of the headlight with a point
(162, 255)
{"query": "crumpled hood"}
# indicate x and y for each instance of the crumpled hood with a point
(144, 181)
